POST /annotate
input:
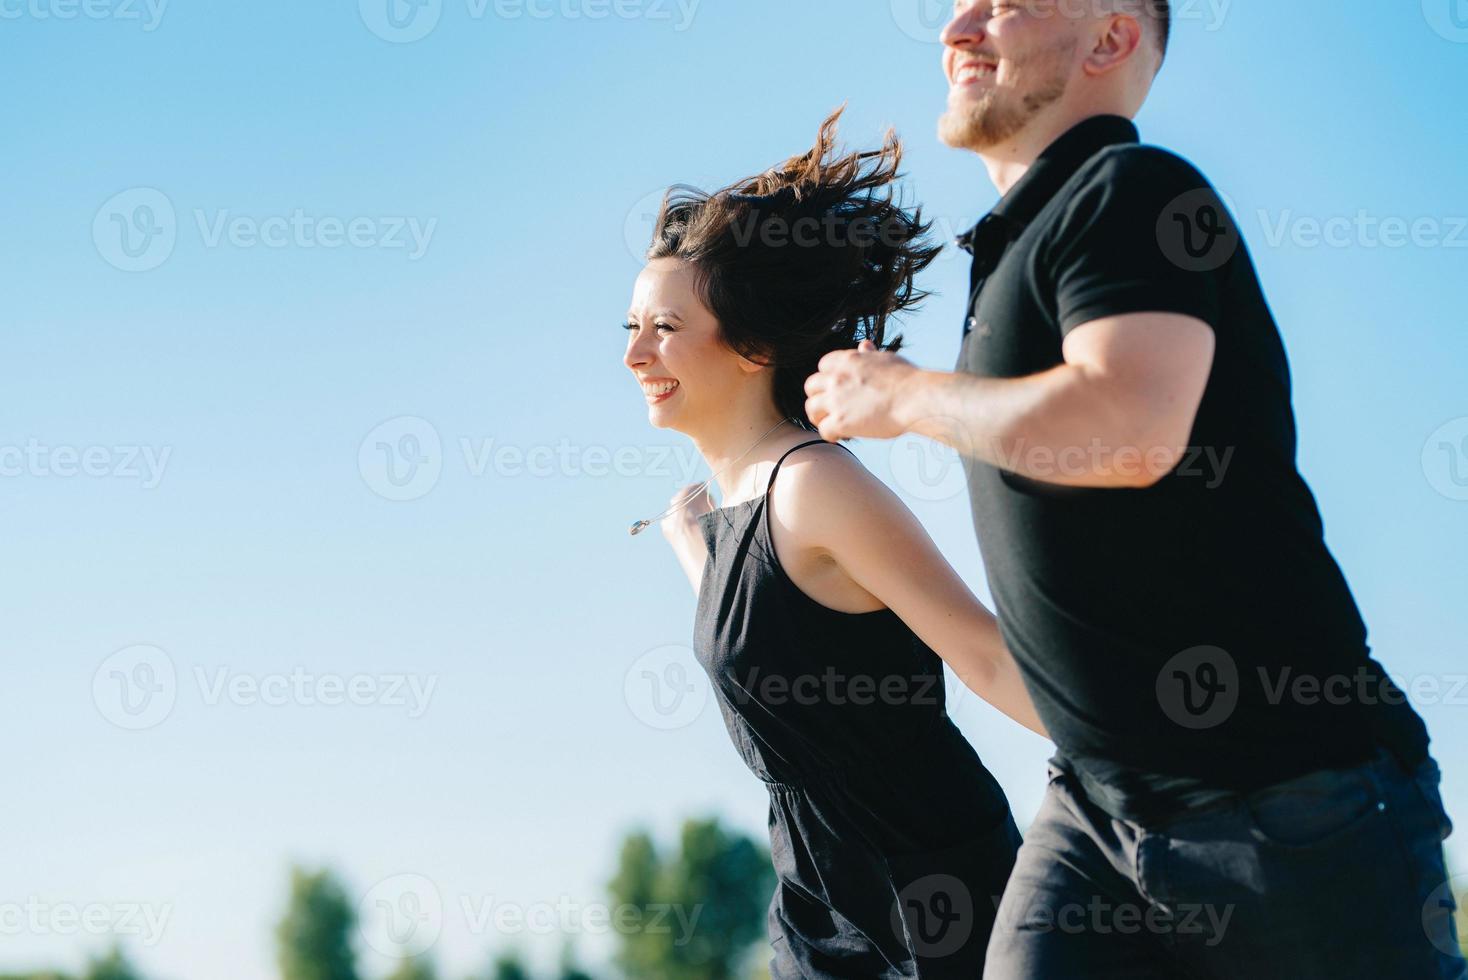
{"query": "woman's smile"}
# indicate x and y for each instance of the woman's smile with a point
(659, 390)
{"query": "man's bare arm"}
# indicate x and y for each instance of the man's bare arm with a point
(1118, 413)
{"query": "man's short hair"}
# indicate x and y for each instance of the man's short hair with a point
(1162, 13)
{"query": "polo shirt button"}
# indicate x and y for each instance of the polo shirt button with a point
(973, 323)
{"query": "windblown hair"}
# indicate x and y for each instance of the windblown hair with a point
(811, 257)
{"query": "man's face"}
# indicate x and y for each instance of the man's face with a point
(1006, 61)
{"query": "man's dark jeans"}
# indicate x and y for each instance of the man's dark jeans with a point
(1336, 875)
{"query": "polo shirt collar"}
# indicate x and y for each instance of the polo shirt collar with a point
(1048, 174)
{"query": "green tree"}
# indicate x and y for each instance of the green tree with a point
(414, 968)
(690, 915)
(315, 936)
(569, 970)
(110, 966)
(508, 966)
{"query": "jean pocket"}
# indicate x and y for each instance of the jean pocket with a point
(1428, 778)
(1315, 810)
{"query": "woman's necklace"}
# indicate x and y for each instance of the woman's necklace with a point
(639, 526)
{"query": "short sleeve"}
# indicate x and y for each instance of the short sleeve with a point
(1145, 233)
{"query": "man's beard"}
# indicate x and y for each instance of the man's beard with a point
(997, 116)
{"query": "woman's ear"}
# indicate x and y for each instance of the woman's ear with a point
(750, 366)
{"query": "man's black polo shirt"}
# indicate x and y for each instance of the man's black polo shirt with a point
(1194, 638)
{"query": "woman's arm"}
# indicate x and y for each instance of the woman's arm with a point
(827, 504)
(684, 534)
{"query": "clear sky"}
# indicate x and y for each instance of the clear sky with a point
(241, 237)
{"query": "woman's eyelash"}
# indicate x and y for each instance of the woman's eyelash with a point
(629, 325)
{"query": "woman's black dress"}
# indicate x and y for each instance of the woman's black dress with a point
(891, 841)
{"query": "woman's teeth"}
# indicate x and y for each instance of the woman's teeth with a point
(659, 388)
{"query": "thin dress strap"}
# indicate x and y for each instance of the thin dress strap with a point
(765, 517)
(781, 461)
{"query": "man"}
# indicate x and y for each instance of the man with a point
(1238, 790)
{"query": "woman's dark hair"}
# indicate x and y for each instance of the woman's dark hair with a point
(811, 257)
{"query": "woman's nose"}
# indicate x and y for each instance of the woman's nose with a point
(639, 350)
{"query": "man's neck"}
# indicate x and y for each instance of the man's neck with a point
(1009, 161)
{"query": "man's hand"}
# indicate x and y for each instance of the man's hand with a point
(857, 393)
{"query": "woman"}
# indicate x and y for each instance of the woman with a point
(823, 606)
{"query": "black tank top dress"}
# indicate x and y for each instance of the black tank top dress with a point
(891, 841)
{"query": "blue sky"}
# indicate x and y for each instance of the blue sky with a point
(341, 238)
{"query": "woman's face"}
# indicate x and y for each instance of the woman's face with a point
(689, 377)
